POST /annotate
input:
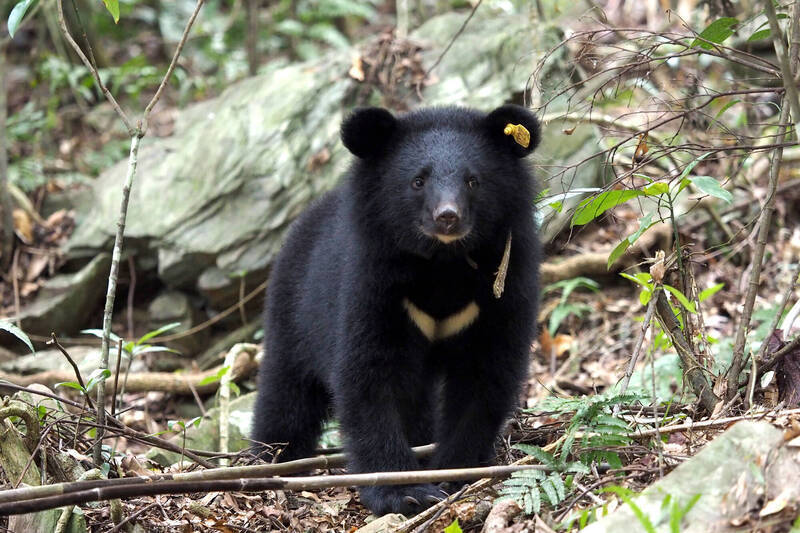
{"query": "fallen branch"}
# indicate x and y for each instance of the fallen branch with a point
(706, 424)
(596, 263)
(255, 471)
(694, 372)
(244, 366)
(147, 487)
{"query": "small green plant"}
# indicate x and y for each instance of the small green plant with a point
(593, 422)
(626, 495)
(18, 333)
(94, 378)
(564, 307)
(309, 23)
(453, 528)
(592, 417)
(677, 511)
(180, 426)
(139, 346)
(218, 377)
(528, 486)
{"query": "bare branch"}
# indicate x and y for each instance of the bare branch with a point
(93, 70)
(175, 56)
(146, 487)
(782, 52)
(692, 369)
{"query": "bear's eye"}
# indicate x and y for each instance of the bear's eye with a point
(472, 182)
(418, 182)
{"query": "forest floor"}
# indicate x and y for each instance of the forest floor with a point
(586, 356)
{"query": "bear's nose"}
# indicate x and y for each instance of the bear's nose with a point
(446, 215)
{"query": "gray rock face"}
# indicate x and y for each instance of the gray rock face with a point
(733, 476)
(214, 200)
(67, 299)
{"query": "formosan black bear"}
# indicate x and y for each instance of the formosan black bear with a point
(388, 302)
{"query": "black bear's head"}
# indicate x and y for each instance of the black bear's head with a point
(441, 177)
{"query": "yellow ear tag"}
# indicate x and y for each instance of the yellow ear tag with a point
(521, 135)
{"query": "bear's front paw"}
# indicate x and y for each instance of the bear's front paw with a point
(407, 500)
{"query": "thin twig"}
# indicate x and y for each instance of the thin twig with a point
(453, 40)
(779, 355)
(706, 424)
(441, 508)
(5, 195)
(107, 491)
(93, 70)
(754, 279)
(116, 379)
(320, 462)
(648, 316)
(175, 56)
(692, 369)
(779, 43)
(54, 340)
(133, 516)
(15, 286)
(112, 290)
(758, 359)
(117, 426)
(131, 294)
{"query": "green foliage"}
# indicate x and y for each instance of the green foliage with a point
(180, 426)
(664, 192)
(18, 333)
(592, 208)
(795, 525)
(528, 486)
(547, 204)
(453, 528)
(627, 496)
(216, 377)
(564, 308)
(331, 435)
(138, 347)
(113, 7)
(678, 511)
(705, 294)
(25, 124)
(719, 30)
(592, 416)
(98, 375)
(644, 224)
(648, 286)
(17, 14)
(308, 23)
(716, 32)
(712, 187)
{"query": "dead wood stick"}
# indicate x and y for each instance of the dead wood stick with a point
(596, 263)
(707, 424)
(152, 488)
(174, 382)
(254, 471)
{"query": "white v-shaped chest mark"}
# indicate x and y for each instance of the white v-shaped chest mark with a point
(435, 330)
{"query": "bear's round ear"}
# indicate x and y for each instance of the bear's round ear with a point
(515, 128)
(368, 130)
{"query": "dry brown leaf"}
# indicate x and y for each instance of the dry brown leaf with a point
(318, 159)
(23, 226)
(36, 266)
(357, 69)
(778, 504)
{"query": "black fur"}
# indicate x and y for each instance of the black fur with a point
(337, 331)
